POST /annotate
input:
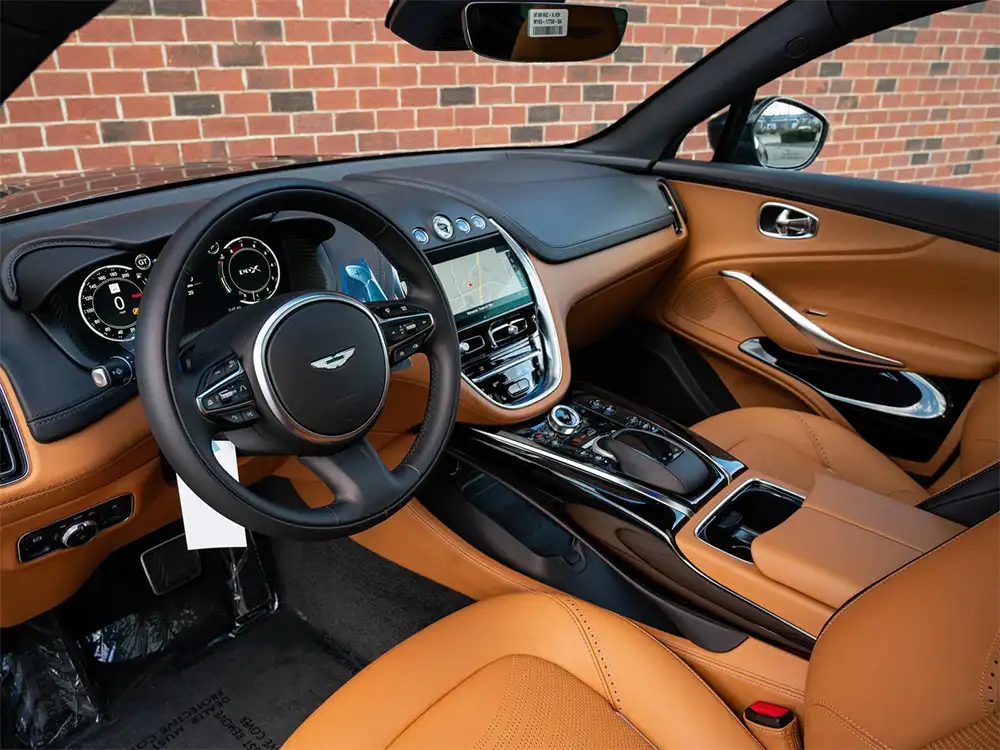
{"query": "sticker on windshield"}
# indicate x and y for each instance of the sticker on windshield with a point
(548, 22)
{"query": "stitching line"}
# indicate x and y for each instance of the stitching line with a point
(817, 445)
(850, 726)
(590, 646)
(983, 680)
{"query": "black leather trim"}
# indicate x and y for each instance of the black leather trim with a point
(963, 215)
(970, 501)
(37, 286)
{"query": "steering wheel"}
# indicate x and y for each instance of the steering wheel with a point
(303, 374)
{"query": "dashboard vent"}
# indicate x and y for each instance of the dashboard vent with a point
(13, 464)
(671, 200)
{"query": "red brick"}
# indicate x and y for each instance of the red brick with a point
(509, 115)
(20, 136)
(241, 104)
(269, 124)
(397, 75)
(377, 142)
(439, 117)
(204, 151)
(34, 110)
(220, 80)
(298, 145)
(374, 53)
(209, 30)
(310, 30)
(454, 138)
(170, 80)
(106, 29)
(326, 8)
(419, 97)
(355, 120)
(352, 31)
(286, 54)
(313, 78)
(253, 147)
(158, 29)
(268, 78)
(53, 83)
(71, 56)
(105, 157)
(143, 56)
(50, 160)
(395, 119)
(312, 122)
(331, 54)
(259, 31)
(25, 91)
(118, 82)
(472, 116)
(480, 74)
(378, 98)
(10, 164)
(224, 127)
(177, 129)
(337, 145)
(416, 140)
(189, 55)
(337, 101)
(137, 107)
(104, 108)
(491, 136)
(438, 75)
(159, 154)
(229, 8)
(529, 94)
(357, 77)
(277, 8)
(71, 134)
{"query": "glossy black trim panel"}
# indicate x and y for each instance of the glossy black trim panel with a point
(964, 215)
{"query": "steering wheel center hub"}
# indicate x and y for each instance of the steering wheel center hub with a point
(322, 367)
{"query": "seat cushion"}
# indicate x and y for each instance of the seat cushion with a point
(792, 446)
(525, 670)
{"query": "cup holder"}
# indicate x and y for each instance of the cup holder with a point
(751, 510)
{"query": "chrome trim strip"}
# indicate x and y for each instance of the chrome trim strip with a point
(786, 207)
(823, 341)
(515, 441)
(20, 442)
(546, 327)
(263, 375)
(131, 512)
(931, 404)
(667, 538)
(509, 323)
(747, 485)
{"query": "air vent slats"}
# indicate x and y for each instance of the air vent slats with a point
(13, 464)
(671, 201)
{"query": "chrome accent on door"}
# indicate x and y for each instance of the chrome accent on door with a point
(931, 404)
(791, 223)
(826, 343)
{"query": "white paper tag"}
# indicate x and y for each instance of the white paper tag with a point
(205, 527)
(548, 22)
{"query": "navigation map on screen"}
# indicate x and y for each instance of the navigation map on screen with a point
(482, 279)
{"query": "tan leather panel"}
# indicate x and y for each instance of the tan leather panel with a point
(981, 432)
(786, 738)
(868, 276)
(983, 735)
(744, 578)
(795, 447)
(750, 389)
(621, 664)
(907, 662)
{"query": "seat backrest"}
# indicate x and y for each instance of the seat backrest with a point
(911, 662)
(980, 444)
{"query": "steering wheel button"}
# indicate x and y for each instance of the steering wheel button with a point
(232, 365)
(235, 417)
(215, 375)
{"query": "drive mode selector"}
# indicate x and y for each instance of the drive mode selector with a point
(564, 419)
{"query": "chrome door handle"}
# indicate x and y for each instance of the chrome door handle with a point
(825, 342)
(785, 222)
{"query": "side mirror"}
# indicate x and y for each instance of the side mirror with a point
(543, 32)
(780, 133)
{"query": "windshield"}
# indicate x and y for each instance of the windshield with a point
(150, 84)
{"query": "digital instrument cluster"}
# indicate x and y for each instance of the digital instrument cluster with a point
(243, 271)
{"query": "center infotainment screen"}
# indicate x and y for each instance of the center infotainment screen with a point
(483, 285)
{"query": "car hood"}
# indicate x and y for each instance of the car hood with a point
(19, 194)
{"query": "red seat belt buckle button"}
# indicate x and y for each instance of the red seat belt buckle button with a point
(769, 715)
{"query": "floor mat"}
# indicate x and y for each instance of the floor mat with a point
(250, 692)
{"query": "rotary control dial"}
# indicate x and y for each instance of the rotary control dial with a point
(249, 269)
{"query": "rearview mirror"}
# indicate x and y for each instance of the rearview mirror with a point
(543, 32)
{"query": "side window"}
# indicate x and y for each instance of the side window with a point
(918, 103)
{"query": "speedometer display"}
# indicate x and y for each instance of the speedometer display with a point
(249, 269)
(109, 301)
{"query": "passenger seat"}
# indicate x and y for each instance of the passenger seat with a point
(792, 446)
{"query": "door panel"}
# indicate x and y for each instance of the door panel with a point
(929, 303)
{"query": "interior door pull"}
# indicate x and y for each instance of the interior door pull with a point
(825, 342)
(785, 222)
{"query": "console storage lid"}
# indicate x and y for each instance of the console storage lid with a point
(843, 539)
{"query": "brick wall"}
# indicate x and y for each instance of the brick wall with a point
(168, 81)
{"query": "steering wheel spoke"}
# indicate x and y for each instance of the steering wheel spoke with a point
(224, 394)
(362, 485)
(405, 327)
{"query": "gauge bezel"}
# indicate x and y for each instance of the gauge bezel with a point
(230, 287)
(133, 273)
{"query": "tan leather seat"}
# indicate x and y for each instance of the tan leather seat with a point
(792, 446)
(910, 663)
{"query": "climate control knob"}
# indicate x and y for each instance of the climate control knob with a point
(564, 419)
(79, 534)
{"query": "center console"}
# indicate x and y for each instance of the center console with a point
(505, 330)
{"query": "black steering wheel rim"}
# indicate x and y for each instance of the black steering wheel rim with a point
(185, 436)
